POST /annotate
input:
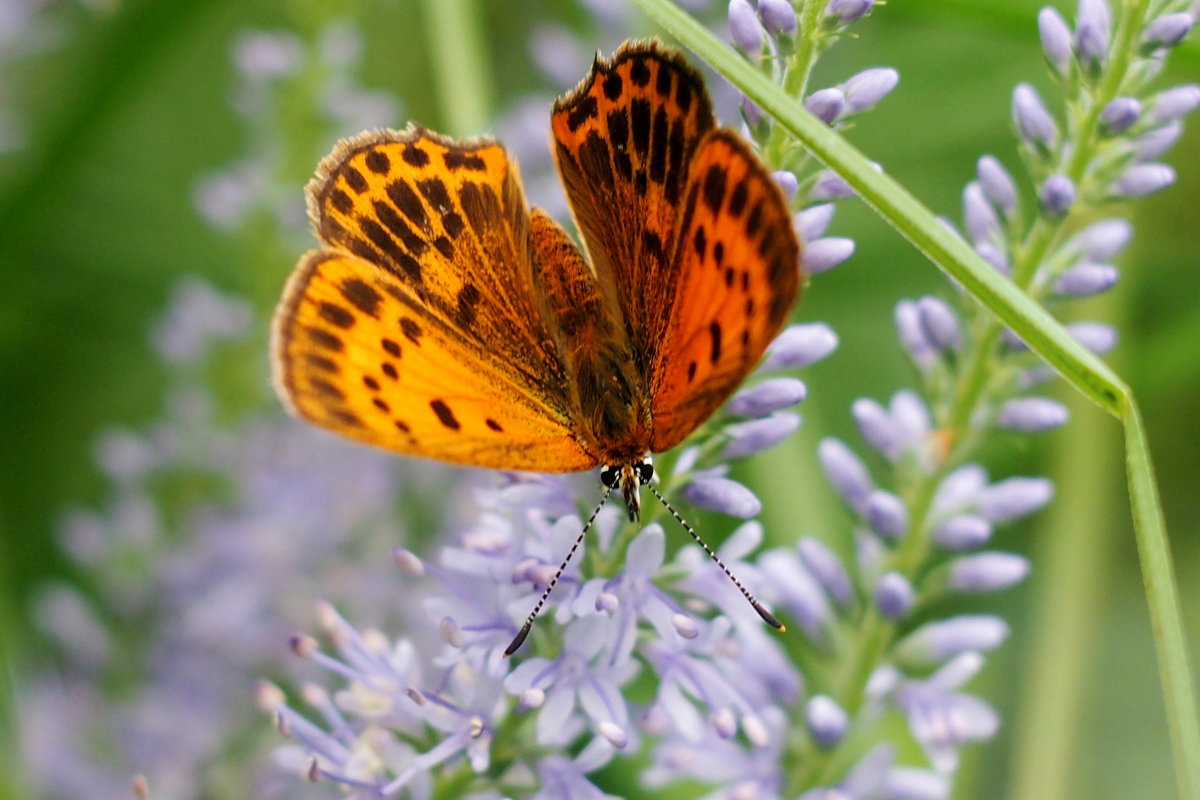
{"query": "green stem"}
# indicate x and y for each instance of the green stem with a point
(1082, 369)
(456, 47)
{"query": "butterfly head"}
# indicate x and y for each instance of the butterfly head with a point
(627, 478)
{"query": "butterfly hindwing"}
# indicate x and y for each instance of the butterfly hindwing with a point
(357, 351)
(737, 261)
(623, 140)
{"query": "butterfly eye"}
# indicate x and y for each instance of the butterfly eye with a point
(609, 476)
(645, 471)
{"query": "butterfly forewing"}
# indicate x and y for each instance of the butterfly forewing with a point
(448, 219)
(419, 328)
(738, 268)
(623, 141)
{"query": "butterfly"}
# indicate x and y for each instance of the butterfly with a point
(443, 318)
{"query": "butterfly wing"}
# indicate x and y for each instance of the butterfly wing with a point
(737, 261)
(702, 274)
(418, 328)
(623, 141)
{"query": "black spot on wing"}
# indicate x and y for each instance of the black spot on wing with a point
(658, 147)
(341, 201)
(639, 73)
(491, 423)
(326, 389)
(317, 361)
(387, 245)
(435, 192)
(381, 405)
(323, 338)
(370, 383)
(412, 242)
(714, 332)
(362, 296)
(662, 83)
(585, 109)
(378, 162)
(411, 329)
(675, 153)
(700, 242)
(414, 155)
(639, 118)
(347, 418)
(754, 221)
(389, 370)
(613, 86)
(737, 198)
(390, 347)
(714, 188)
(683, 95)
(405, 199)
(354, 179)
(444, 414)
(335, 315)
(618, 135)
(459, 159)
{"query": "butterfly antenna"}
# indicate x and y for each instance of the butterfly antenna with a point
(519, 639)
(757, 606)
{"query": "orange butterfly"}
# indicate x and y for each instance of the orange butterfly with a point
(444, 319)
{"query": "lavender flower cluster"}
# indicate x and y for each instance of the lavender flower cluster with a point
(621, 614)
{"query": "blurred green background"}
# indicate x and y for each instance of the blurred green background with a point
(125, 106)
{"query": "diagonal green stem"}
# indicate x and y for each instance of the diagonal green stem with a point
(1083, 370)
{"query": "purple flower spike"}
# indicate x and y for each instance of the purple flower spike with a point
(1034, 122)
(787, 182)
(963, 532)
(978, 215)
(773, 394)
(830, 186)
(1095, 336)
(724, 495)
(1032, 414)
(1103, 240)
(800, 346)
(1144, 179)
(1093, 22)
(1168, 30)
(894, 596)
(778, 16)
(940, 641)
(813, 221)
(1153, 144)
(826, 104)
(912, 335)
(826, 720)
(878, 428)
(744, 27)
(823, 255)
(1056, 39)
(1085, 280)
(887, 514)
(846, 472)
(987, 572)
(868, 87)
(1014, 498)
(997, 184)
(827, 569)
(751, 113)
(1174, 103)
(1057, 195)
(847, 11)
(994, 256)
(940, 323)
(1120, 114)
(747, 438)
